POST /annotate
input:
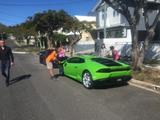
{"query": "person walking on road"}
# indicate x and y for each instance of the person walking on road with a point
(6, 59)
(49, 62)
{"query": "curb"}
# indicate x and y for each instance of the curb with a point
(144, 85)
(19, 52)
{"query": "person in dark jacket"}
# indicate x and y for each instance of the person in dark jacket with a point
(6, 59)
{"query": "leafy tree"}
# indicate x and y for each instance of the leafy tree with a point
(45, 25)
(49, 21)
(76, 28)
(2, 28)
(131, 10)
(59, 39)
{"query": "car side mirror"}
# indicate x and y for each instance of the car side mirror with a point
(65, 64)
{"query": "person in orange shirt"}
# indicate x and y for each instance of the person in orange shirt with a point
(49, 62)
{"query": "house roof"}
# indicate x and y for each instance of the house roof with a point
(86, 18)
(97, 5)
(130, 3)
(154, 1)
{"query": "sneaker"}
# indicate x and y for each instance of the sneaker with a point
(53, 78)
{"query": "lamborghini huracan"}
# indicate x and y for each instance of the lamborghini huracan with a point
(89, 70)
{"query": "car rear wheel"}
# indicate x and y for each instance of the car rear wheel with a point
(87, 80)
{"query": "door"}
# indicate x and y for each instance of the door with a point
(72, 66)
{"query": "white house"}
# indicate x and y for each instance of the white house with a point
(113, 29)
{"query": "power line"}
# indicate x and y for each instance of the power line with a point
(44, 4)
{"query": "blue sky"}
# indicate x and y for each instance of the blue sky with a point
(14, 12)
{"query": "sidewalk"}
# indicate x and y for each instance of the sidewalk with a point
(145, 85)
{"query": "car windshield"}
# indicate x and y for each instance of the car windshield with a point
(106, 62)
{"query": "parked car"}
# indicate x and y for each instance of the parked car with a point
(43, 55)
(90, 70)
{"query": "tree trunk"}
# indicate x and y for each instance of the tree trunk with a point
(49, 42)
(71, 50)
(73, 40)
(28, 41)
(136, 56)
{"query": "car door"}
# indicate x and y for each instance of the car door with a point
(72, 66)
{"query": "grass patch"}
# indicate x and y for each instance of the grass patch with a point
(148, 75)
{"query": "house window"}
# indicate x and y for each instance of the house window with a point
(102, 14)
(87, 38)
(116, 33)
(101, 34)
(115, 13)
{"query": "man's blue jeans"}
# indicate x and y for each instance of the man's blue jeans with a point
(5, 69)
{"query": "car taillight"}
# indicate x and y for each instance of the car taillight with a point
(106, 70)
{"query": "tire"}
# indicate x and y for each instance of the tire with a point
(87, 80)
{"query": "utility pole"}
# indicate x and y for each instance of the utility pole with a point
(105, 18)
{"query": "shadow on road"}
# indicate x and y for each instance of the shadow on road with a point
(106, 85)
(20, 78)
(110, 86)
(58, 75)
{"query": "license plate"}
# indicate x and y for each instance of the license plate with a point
(119, 80)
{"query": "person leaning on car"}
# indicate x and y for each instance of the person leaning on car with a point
(115, 53)
(49, 62)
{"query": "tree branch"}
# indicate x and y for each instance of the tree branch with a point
(156, 20)
(146, 19)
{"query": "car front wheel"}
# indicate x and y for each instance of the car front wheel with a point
(87, 80)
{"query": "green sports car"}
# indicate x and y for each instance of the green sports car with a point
(90, 69)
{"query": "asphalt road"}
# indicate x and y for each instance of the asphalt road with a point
(33, 96)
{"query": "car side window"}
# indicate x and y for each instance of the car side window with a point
(76, 60)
